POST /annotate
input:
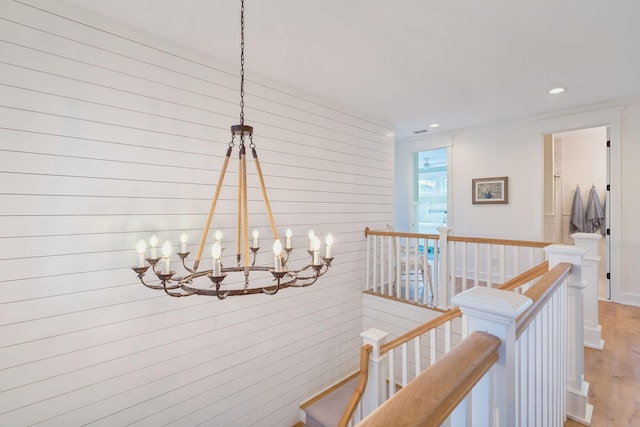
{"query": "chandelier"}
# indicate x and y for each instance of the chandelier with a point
(277, 275)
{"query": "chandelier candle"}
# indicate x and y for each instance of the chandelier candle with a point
(142, 246)
(183, 243)
(315, 243)
(153, 241)
(216, 251)
(277, 256)
(255, 239)
(166, 260)
(288, 242)
(329, 242)
(311, 237)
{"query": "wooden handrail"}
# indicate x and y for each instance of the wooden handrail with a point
(422, 404)
(504, 242)
(420, 330)
(368, 232)
(525, 277)
(510, 285)
(365, 351)
(540, 294)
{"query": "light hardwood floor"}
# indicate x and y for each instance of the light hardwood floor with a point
(614, 373)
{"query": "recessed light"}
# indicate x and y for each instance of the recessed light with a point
(556, 90)
(434, 125)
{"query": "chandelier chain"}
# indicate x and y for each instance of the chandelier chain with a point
(242, 62)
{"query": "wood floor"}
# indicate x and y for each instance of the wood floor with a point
(614, 373)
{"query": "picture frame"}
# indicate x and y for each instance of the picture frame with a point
(489, 191)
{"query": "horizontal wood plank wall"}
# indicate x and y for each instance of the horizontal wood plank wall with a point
(108, 135)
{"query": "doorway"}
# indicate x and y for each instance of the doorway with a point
(430, 190)
(576, 163)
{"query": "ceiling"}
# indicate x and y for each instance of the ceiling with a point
(410, 63)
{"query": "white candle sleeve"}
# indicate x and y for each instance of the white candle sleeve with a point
(277, 261)
(216, 268)
(166, 265)
(140, 260)
(316, 257)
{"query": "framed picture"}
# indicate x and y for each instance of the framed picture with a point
(490, 190)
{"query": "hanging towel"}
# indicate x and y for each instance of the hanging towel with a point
(576, 222)
(595, 213)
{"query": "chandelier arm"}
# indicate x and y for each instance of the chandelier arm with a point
(156, 287)
(174, 294)
(239, 209)
(305, 284)
(245, 209)
(214, 201)
(274, 229)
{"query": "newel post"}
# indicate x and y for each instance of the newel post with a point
(590, 263)
(374, 394)
(495, 311)
(443, 268)
(578, 407)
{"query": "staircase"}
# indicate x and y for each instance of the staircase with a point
(326, 411)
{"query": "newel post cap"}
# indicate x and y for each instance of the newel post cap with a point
(493, 304)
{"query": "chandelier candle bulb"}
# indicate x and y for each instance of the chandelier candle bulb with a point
(153, 241)
(277, 259)
(329, 242)
(218, 236)
(255, 238)
(166, 254)
(142, 246)
(288, 242)
(216, 251)
(183, 243)
(315, 244)
(312, 235)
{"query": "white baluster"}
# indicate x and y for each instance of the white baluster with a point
(489, 260)
(501, 263)
(464, 266)
(444, 297)
(368, 275)
(416, 353)
(405, 365)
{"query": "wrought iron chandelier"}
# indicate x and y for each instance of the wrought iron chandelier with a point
(280, 276)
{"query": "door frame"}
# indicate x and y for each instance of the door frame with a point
(610, 117)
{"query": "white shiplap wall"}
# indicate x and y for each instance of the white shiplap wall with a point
(108, 135)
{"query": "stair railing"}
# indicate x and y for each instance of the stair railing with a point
(392, 382)
(429, 269)
(520, 390)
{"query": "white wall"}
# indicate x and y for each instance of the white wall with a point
(515, 149)
(108, 135)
